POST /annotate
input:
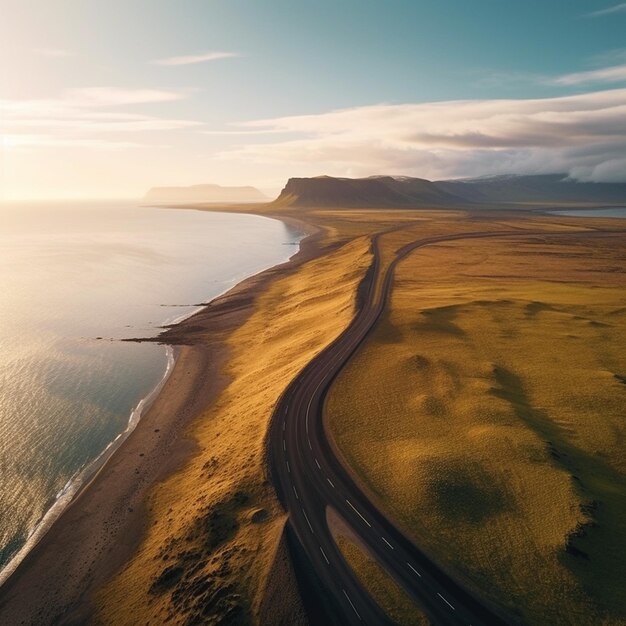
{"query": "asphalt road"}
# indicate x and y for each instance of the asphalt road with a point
(309, 478)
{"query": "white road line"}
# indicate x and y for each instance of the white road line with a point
(308, 409)
(307, 520)
(414, 569)
(318, 464)
(288, 467)
(294, 490)
(310, 446)
(284, 446)
(352, 605)
(324, 555)
(352, 506)
(286, 408)
(331, 482)
(387, 543)
(446, 602)
(284, 424)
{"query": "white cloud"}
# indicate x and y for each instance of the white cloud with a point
(86, 117)
(614, 74)
(112, 96)
(581, 133)
(618, 8)
(23, 141)
(55, 53)
(195, 58)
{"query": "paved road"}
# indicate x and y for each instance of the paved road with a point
(309, 478)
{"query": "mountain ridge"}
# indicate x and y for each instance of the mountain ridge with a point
(505, 191)
(371, 192)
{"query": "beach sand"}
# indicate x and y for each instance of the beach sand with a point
(103, 526)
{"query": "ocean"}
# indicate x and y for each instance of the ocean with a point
(74, 280)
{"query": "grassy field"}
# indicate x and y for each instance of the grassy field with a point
(484, 413)
(213, 549)
(487, 414)
(389, 596)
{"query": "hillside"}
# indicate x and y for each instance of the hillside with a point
(203, 193)
(546, 188)
(376, 191)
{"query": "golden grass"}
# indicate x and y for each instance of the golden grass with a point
(486, 413)
(389, 596)
(215, 526)
(213, 547)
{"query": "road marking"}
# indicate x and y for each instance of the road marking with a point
(284, 446)
(308, 410)
(387, 543)
(414, 569)
(352, 605)
(294, 490)
(286, 408)
(446, 601)
(331, 482)
(310, 446)
(352, 506)
(307, 520)
(324, 555)
(318, 464)
(288, 467)
(284, 424)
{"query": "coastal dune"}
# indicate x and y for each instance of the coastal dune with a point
(189, 487)
(215, 529)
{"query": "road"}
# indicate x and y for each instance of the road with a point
(309, 478)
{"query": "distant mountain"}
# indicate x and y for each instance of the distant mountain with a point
(203, 194)
(376, 191)
(543, 189)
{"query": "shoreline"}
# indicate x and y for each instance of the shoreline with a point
(81, 480)
(114, 498)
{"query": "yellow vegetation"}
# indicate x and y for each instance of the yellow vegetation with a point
(215, 526)
(486, 413)
(383, 589)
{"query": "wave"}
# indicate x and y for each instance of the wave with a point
(81, 479)
(85, 476)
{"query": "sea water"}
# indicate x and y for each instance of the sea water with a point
(74, 280)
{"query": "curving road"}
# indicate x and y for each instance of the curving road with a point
(309, 478)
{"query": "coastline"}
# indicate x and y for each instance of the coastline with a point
(98, 529)
(80, 481)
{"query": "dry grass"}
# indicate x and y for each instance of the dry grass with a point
(213, 547)
(389, 596)
(215, 528)
(487, 414)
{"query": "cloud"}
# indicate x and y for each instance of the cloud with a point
(21, 141)
(111, 96)
(582, 134)
(618, 8)
(195, 58)
(257, 131)
(614, 74)
(86, 117)
(55, 53)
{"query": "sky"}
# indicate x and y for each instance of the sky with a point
(104, 99)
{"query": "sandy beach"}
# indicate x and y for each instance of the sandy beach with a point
(103, 526)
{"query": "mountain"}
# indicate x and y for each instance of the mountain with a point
(203, 194)
(373, 192)
(542, 188)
